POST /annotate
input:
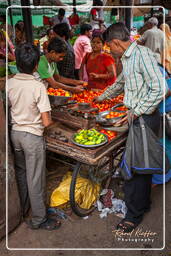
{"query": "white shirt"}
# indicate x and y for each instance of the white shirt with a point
(154, 39)
(27, 100)
(55, 20)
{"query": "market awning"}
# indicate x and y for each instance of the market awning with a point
(140, 11)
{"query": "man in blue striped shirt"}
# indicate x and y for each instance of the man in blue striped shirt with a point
(144, 88)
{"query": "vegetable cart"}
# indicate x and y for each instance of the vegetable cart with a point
(94, 160)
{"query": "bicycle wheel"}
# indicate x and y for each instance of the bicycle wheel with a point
(74, 205)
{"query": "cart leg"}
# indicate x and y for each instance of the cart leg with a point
(111, 166)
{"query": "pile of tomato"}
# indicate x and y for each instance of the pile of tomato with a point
(110, 134)
(58, 92)
(88, 96)
(113, 114)
(123, 108)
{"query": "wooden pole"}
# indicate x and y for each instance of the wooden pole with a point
(10, 12)
(128, 15)
(26, 12)
(74, 4)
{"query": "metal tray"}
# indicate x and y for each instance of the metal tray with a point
(89, 146)
(58, 100)
(100, 118)
(121, 129)
(114, 108)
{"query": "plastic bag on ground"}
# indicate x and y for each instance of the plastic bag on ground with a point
(86, 192)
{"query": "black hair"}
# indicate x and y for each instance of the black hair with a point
(48, 31)
(61, 12)
(84, 28)
(58, 45)
(27, 57)
(62, 29)
(19, 26)
(98, 35)
(97, 3)
(116, 31)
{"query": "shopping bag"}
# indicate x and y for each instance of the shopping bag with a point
(144, 152)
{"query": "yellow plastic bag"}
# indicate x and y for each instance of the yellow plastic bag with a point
(86, 192)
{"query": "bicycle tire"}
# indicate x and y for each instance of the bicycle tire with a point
(81, 212)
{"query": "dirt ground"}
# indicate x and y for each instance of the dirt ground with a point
(94, 232)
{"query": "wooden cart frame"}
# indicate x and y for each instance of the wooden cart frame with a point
(90, 157)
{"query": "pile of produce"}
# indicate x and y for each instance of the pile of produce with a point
(113, 114)
(122, 108)
(89, 137)
(110, 134)
(58, 92)
(88, 96)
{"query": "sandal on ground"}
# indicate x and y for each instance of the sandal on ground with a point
(49, 224)
(126, 226)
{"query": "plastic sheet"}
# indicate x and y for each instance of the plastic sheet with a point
(86, 192)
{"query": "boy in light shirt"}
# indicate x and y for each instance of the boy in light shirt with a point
(30, 114)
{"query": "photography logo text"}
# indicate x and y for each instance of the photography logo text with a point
(136, 235)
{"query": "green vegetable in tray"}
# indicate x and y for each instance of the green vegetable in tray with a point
(89, 137)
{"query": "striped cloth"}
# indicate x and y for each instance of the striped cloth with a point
(141, 81)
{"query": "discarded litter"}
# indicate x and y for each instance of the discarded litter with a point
(86, 217)
(116, 206)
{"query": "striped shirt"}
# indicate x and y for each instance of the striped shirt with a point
(140, 80)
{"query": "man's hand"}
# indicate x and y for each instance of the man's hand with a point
(124, 120)
(97, 100)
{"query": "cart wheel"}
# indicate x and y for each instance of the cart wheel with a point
(75, 207)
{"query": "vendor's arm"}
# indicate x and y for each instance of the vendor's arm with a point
(54, 80)
(66, 80)
(54, 84)
(113, 90)
(154, 79)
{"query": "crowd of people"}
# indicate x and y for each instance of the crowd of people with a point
(62, 65)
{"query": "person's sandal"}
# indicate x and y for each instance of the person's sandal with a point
(49, 224)
(126, 227)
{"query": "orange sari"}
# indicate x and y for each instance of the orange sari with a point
(99, 65)
(167, 57)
